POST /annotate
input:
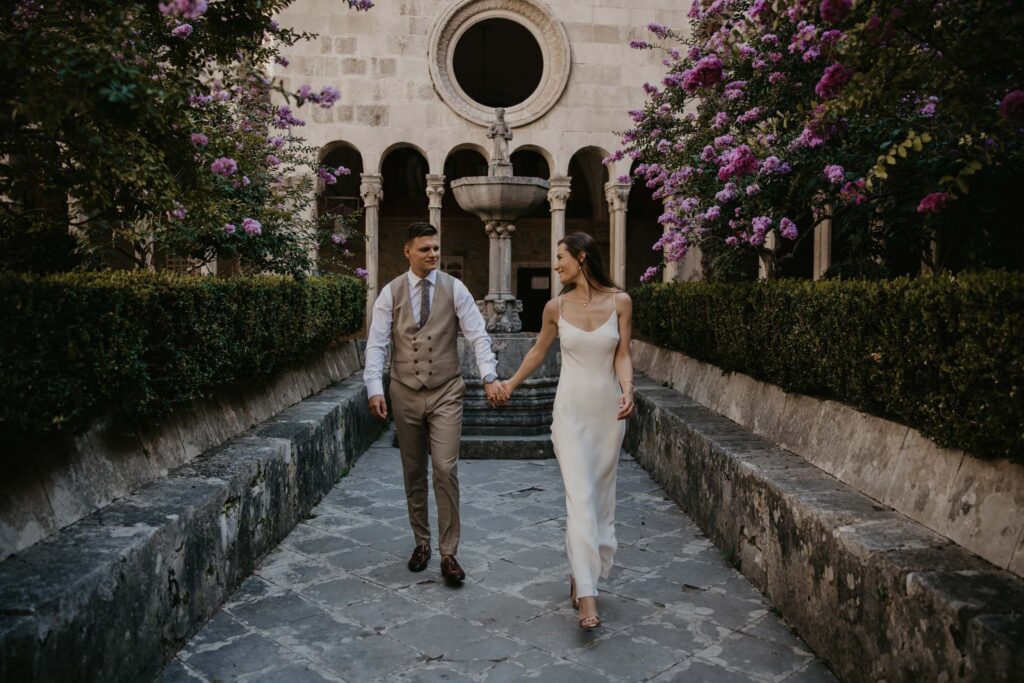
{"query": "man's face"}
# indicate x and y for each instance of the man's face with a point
(424, 254)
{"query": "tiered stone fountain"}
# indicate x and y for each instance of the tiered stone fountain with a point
(522, 429)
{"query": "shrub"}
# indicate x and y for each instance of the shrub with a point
(164, 125)
(134, 345)
(900, 122)
(943, 355)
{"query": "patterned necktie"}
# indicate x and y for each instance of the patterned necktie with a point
(424, 301)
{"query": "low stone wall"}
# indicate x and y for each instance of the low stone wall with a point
(876, 595)
(52, 486)
(115, 595)
(977, 503)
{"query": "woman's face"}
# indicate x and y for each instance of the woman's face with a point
(567, 267)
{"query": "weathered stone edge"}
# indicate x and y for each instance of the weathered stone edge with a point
(876, 595)
(115, 595)
(978, 503)
(49, 489)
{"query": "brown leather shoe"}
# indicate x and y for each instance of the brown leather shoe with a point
(451, 570)
(418, 561)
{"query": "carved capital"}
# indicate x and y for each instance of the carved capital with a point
(617, 195)
(371, 189)
(435, 190)
(558, 195)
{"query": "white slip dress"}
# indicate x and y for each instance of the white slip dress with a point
(587, 439)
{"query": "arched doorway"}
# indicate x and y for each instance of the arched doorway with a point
(404, 183)
(587, 209)
(464, 248)
(531, 245)
(642, 231)
(338, 201)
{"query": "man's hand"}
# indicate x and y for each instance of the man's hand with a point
(378, 408)
(496, 393)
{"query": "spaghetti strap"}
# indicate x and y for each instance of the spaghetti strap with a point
(559, 306)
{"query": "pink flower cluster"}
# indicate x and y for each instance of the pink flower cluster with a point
(739, 162)
(187, 9)
(252, 226)
(705, 73)
(325, 98)
(834, 11)
(832, 81)
(934, 202)
(224, 166)
(330, 175)
(1012, 106)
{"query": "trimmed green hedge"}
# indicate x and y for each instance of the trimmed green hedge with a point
(944, 355)
(75, 347)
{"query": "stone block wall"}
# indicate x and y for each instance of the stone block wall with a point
(977, 503)
(45, 490)
(876, 595)
(115, 595)
(379, 62)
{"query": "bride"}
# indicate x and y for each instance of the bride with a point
(593, 319)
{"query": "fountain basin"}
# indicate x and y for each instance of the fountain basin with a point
(500, 198)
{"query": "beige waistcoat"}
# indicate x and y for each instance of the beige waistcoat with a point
(427, 356)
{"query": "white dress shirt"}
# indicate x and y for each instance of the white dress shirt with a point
(378, 339)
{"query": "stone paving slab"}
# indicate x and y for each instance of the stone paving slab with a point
(335, 602)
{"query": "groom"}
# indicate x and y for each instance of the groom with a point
(420, 312)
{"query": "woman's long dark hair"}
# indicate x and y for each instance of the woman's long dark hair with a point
(592, 266)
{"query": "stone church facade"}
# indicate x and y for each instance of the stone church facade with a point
(419, 82)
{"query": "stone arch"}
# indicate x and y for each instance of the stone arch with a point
(339, 200)
(589, 174)
(549, 160)
(479, 149)
(642, 230)
(403, 171)
(397, 146)
(464, 248)
(587, 208)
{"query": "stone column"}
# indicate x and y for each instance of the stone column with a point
(558, 196)
(822, 248)
(617, 195)
(766, 259)
(435, 193)
(372, 191)
(500, 307)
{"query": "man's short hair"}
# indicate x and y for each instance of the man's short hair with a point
(419, 229)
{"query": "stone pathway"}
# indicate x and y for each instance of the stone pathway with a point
(335, 601)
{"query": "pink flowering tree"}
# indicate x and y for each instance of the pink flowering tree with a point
(901, 122)
(134, 129)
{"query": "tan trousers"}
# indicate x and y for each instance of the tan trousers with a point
(431, 421)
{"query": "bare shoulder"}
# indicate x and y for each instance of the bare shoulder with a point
(551, 309)
(623, 303)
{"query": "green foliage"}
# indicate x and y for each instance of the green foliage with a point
(134, 345)
(100, 104)
(944, 355)
(920, 146)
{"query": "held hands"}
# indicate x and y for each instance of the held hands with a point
(497, 393)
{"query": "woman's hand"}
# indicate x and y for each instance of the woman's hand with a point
(626, 405)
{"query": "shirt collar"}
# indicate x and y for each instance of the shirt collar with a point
(414, 279)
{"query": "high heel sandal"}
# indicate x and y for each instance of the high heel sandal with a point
(585, 623)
